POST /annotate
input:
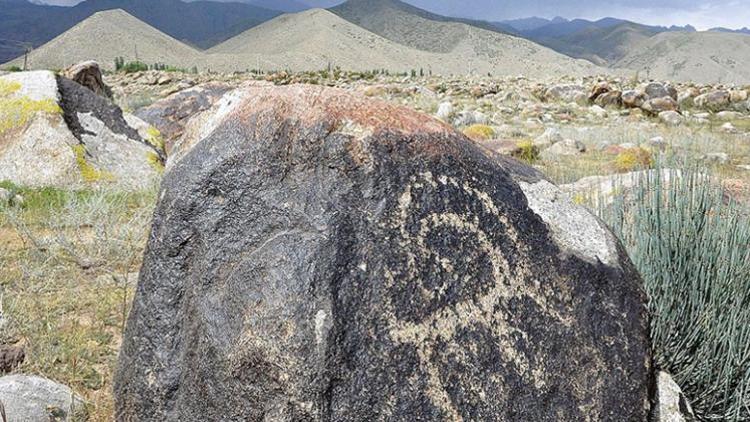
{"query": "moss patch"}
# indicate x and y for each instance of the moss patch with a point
(155, 161)
(155, 138)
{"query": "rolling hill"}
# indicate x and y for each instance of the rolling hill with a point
(200, 23)
(315, 39)
(109, 34)
(411, 26)
(703, 57)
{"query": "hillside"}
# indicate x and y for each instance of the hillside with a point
(601, 45)
(314, 39)
(200, 23)
(408, 25)
(704, 57)
(106, 35)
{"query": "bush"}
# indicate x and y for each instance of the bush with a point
(691, 247)
(479, 132)
(633, 159)
(527, 152)
(129, 67)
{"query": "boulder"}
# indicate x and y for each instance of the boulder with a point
(597, 111)
(11, 356)
(609, 99)
(738, 96)
(658, 90)
(445, 111)
(598, 90)
(633, 99)
(28, 398)
(566, 93)
(670, 405)
(686, 98)
(658, 105)
(170, 115)
(671, 118)
(55, 132)
(88, 74)
(324, 256)
(713, 101)
(550, 137)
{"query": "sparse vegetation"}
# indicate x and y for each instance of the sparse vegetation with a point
(69, 261)
(633, 159)
(479, 132)
(692, 249)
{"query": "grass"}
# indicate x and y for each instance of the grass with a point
(68, 260)
(479, 132)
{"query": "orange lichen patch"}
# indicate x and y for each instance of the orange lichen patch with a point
(310, 105)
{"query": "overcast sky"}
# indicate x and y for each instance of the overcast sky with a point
(702, 14)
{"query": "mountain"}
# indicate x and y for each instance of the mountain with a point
(703, 57)
(317, 38)
(201, 23)
(110, 34)
(409, 25)
(286, 6)
(737, 31)
(529, 24)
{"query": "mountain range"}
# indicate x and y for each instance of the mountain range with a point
(363, 34)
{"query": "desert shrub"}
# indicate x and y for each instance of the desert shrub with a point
(633, 159)
(479, 132)
(527, 151)
(13, 68)
(130, 67)
(692, 248)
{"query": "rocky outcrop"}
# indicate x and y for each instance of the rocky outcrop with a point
(171, 114)
(321, 256)
(27, 398)
(88, 74)
(55, 132)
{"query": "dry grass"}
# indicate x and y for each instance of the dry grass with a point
(69, 261)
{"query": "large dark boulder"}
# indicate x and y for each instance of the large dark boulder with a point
(325, 257)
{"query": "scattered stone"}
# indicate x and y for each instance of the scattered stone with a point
(744, 167)
(598, 90)
(612, 99)
(445, 111)
(550, 137)
(655, 90)
(564, 148)
(469, 117)
(633, 99)
(602, 190)
(738, 96)
(714, 101)
(11, 357)
(89, 74)
(322, 255)
(670, 405)
(28, 398)
(728, 115)
(716, 157)
(728, 127)
(686, 98)
(671, 118)
(598, 111)
(658, 142)
(658, 105)
(567, 94)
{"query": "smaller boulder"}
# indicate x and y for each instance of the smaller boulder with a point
(598, 111)
(566, 93)
(670, 405)
(738, 96)
(89, 74)
(657, 105)
(550, 137)
(633, 98)
(28, 398)
(658, 90)
(671, 118)
(686, 98)
(610, 99)
(445, 111)
(713, 101)
(716, 157)
(11, 357)
(567, 147)
(598, 90)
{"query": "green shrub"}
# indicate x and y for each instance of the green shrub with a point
(129, 67)
(13, 68)
(692, 248)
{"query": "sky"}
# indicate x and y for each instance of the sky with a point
(703, 14)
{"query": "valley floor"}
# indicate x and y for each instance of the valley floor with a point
(70, 259)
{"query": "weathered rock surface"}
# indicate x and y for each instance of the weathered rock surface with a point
(88, 74)
(171, 114)
(321, 256)
(11, 356)
(34, 399)
(670, 404)
(55, 132)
